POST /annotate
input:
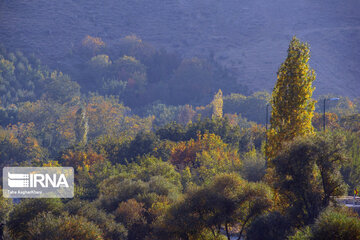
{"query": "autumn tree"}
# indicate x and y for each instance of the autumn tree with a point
(92, 45)
(18, 145)
(332, 121)
(292, 105)
(44, 115)
(80, 159)
(217, 105)
(206, 157)
(106, 116)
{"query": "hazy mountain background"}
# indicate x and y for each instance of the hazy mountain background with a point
(250, 37)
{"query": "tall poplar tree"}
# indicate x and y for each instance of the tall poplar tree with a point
(292, 105)
(217, 105)
(81, 126)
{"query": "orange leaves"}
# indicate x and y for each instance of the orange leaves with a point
(93, 44)
(183, 153)
(105, 117)
(78, 159)
(18, 144)
(207, 145)
(21, 130)
(331, 119)
(66, 124)
(130, 212)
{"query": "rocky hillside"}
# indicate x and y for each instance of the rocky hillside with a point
(250, 37)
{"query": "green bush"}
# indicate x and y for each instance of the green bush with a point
(253, 107)
(49, 226)
(271, 226)
(29, 209)
(332, 224)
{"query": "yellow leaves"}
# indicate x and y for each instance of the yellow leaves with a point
(19, 144)
(129, 58)
(292, 105)
(105, 117)
(81, 159)
(100, 61)
(332, 120)
(52, 163)
(93, 43)
(6, 65)
(208, 150)
(217, 105)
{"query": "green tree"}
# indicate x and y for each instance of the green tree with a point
(49, 226)
(6, 207)
(351, 122)
(253, 166)
(144, 143)
(308, 175)
(163, 113)
(191, 81)
(292, 106)
(228, 202)
(20, 79)
(271, 226)
(332, 224)
(251, 107)
(27, 210)
(59, 87)
(106, 222)
(351, 170)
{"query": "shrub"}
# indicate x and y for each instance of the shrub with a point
(27, 210)
(48, 226)
(332, 224)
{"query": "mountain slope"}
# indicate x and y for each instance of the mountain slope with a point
(250, 37)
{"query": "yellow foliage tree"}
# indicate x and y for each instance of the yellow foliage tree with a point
(104, 116)
(81, 159)
(205, 157)
(292, 105)
(93, 44)
(217, 105)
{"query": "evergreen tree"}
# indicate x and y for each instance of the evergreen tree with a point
(292, 105)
